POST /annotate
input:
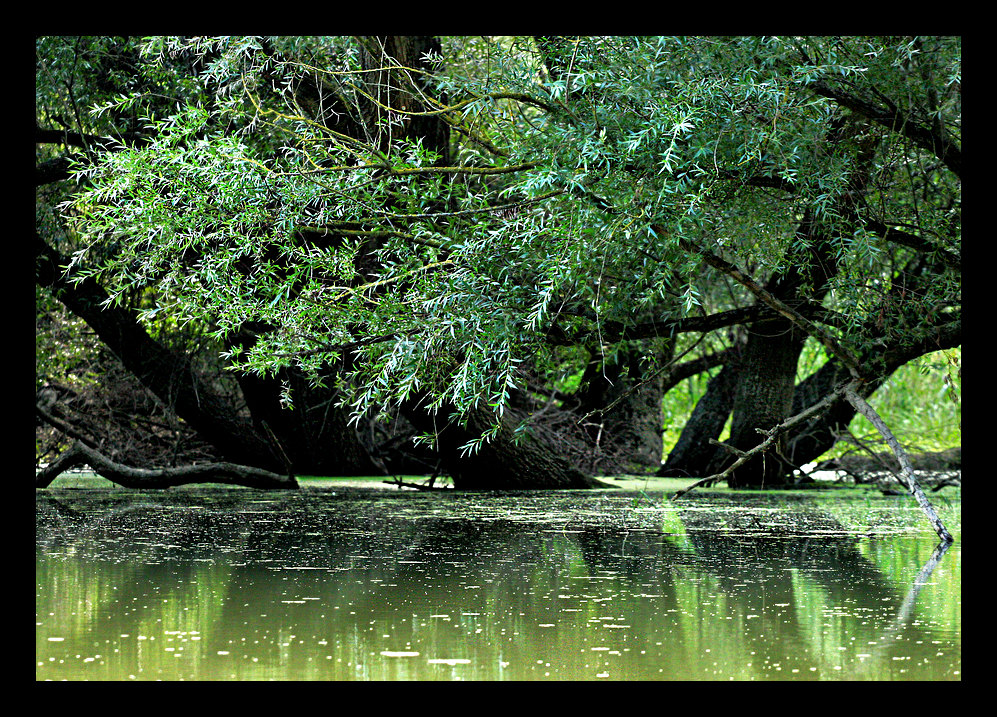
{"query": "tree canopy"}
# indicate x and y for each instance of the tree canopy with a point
(446, 221)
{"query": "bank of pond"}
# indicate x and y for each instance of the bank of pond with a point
(346, 581)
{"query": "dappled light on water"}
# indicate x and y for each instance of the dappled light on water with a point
(374, 585)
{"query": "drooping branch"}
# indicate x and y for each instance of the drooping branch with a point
(156, 478)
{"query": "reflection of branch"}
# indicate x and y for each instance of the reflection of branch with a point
(907, 606)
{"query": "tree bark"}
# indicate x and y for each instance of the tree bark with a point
(693, 454)
(508, 462)
(763, 399)
(128, 477)
(621, 403)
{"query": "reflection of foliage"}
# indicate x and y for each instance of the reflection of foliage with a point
(352, 575)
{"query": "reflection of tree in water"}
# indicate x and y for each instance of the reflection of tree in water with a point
(739, 545)
(755, 573)
(753, 562)
(331, 565)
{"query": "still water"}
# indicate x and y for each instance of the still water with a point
(363, 584)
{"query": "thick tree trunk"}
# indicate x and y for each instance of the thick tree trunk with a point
(170, 376)
(508, 462)
(768, 374)
(400, 89)
(693, 454)
(128, 477)
(314, 438)
(764, 399)
(621, 405)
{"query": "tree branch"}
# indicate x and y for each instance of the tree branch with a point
(906, 477)
(128, 477)
(912, 241)
(890, 117)
(809, 327)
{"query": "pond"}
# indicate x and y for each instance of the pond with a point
(339, 583)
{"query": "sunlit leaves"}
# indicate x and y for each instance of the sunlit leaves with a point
(445, 281)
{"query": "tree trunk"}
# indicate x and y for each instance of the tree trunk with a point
(766, 383)
(170, 376)
(764, 399)
(508, 462)
(621, 405)
(693, 454)
(314, 438)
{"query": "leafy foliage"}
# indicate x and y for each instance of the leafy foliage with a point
(579, 174)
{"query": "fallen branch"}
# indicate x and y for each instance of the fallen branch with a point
(771, 435)
(399, 483)
(906, 476)
(129, 477)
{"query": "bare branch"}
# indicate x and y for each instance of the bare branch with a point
(128, 477)
(906, 477)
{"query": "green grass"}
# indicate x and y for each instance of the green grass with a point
(921, 403)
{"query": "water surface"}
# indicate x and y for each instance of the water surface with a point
(354, 584)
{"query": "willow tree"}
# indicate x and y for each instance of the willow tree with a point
(594, 193)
